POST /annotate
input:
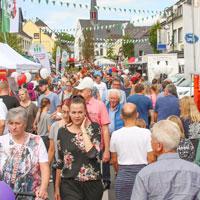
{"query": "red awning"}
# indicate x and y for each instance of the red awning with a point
(131, 60)
(71, 59)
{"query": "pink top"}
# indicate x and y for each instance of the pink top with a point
(98, 113)
(153, 98)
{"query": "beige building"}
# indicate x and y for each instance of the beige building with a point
(35, 31)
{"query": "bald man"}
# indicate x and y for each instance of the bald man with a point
(131, 151)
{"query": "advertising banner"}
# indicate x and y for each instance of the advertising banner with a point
(39, 53)
(65, 57)
(57, 59)
(191, 29)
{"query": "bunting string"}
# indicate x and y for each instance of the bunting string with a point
(110, 9)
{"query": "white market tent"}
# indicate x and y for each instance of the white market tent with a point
(10, 59)
(104, 61)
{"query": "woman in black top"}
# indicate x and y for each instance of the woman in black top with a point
(78, 172)
(190, 118)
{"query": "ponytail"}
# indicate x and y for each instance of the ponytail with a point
(43, 104)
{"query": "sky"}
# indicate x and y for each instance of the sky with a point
(63, 17)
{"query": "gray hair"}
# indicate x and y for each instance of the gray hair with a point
(119, 94)
(16, 113)
(171, 89)
(168, 133)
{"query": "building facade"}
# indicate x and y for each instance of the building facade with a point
(35, 30)
(112, 29)
(172, 23)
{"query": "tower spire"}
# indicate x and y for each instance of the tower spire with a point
(93, 12)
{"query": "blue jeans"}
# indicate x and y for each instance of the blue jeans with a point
(106, 169)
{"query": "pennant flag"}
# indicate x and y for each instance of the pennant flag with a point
(54, 3)
(67, 4)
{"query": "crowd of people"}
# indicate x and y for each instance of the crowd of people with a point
(72, 129)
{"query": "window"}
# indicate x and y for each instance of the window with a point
(180, 10)
(180, 35)
(97, 53)
(174, 37)
(168, 38)
(95, 15)
(36, 35)
(101, 52)
(141, 53)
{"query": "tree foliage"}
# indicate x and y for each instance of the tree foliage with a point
(153, 36)
(13, 41)
(65, 36)
(110, 50)
(88, 46)
(128, 48)
(61, 43)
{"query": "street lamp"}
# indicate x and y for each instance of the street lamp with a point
(166, 17)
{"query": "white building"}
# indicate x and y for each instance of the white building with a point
(172, 22)
(104, 30)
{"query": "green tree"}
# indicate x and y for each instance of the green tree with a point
(13, 41)
(110, 51)
(88, 45)
(128, 48)
(63, 37)
(153, 36)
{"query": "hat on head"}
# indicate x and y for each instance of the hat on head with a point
(43, 82)
(97, 73)
(87, 82)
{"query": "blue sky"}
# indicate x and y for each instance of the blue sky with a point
(63, 17)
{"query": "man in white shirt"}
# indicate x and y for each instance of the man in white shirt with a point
(3, 113)
(101, 86)
(131, 151)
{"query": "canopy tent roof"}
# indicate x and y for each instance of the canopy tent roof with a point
(131, 60)
(104, 61)
(10, 59)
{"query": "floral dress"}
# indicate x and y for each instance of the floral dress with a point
(73, 160)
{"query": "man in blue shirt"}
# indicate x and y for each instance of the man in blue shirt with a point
(170, 177)
(114, 110)
(116, 84)
(143, 104)
(53, 97)
(167, 105)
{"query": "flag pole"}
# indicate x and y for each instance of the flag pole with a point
(5, 39)
(193, 32)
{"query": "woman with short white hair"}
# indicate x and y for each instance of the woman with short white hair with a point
(23, 157)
